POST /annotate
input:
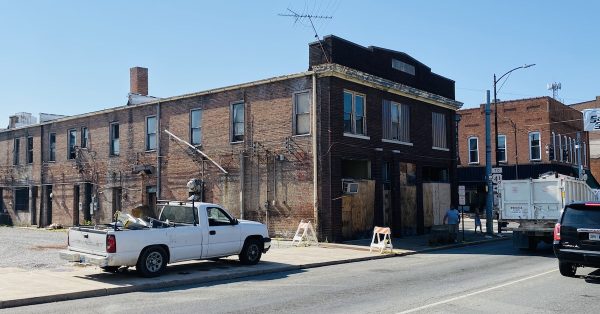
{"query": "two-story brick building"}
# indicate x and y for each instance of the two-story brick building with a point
(364, 137)
(535, 136)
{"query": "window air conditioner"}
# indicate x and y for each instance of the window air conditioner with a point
(350, 187)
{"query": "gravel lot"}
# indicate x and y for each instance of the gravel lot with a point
(32, 248)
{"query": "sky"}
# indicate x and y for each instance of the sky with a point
(73, 57)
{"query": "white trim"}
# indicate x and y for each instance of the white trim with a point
(469, 149)
(353, 113)
(440, 148)
(146, 142)
(190, 129)
(294, 112)
(505, 160)
(232, 122)
(396, 142)
(362, 137)
(539, 145)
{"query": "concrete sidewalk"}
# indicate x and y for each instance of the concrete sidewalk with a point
(19, 287)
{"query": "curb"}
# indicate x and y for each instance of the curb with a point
(182, 282)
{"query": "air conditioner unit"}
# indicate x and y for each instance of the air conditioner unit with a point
(350, 187)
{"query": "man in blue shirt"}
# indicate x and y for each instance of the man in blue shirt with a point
(452, 217)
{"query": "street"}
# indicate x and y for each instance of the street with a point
(492, 277)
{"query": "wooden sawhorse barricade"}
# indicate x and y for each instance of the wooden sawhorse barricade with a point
(305, 234)
(382, 239)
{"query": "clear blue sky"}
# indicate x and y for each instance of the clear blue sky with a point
(71, 57)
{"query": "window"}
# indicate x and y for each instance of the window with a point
(403, 66)
(85, 137)
(217, 217)
(16, 145)
(473, 150)
(196, 126)
(396, 121)
(30, 150)
(301, 113)
(151, 133)
(237, 122)
(52, 147)
(114, 139)
(501, 148)
(72, 141)
(21, 199)
(438, 121)
(355, 121)
(534, 146)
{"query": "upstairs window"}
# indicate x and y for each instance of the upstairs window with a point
(85, 137)
(72, 142)
(114, 139)
(396, 121)
(151, 133)
(403, 66)
(355, 120)
(52, 147)
(501, 148)
(16, 146)
(301, 113)
(196, 127)
(473, 150)
(438, 122)
(534, 146)
(30, 150)
(237, 122)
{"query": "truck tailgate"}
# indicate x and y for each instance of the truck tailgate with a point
(87, 240)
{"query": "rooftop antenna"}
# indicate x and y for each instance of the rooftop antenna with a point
(310, 18)
(554, 87)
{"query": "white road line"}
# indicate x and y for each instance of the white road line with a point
(474, 293)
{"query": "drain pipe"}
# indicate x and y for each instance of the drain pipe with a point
(242, 172)
(314, 150)
(158, 155)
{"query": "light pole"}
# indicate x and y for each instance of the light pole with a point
(496, 107)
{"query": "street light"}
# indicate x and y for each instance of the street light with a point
(496, 107)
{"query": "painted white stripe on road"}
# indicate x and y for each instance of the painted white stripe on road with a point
(474, 293)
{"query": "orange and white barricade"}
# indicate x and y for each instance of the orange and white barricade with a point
(305, 234)
(382, 239)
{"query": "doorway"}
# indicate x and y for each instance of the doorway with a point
(76, 205)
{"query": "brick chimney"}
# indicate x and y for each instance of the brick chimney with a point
(138, 81)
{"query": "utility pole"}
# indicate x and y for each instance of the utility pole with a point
(489, 220)
(579, 163)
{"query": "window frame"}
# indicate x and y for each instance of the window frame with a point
(199, 128)
(505, 160)
(295, 113)
(16, 151)
(111, 139)
(443, 132)
(147, 134)
(471, 162)
(52, 146)
(29, 157)
(353, 124)
(232, 123)
(539, 146)
(71, 151)
(404, 67)
(85, 137)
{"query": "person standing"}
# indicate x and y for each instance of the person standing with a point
(478, 221)
(452, 218)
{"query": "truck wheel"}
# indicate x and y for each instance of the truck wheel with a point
(251, 252)
(567, 269)
(152, 262)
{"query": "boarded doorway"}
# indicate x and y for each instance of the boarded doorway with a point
(48, 211)
(406, 216)
(436, 200)
(358, 211)
(151, 199)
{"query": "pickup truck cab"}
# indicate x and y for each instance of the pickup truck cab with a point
(184, 231)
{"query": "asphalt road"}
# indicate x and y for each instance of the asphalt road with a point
(492, 278)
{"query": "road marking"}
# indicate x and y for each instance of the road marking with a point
(474, 293)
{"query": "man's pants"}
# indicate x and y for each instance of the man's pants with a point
(453, 228)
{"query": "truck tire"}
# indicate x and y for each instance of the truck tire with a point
(567, 269)
(152, 262)
(251, 252)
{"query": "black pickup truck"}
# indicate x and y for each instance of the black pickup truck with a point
(577, 237)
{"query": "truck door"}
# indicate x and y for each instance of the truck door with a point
(223, 233)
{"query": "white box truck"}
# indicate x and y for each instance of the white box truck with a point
(536, 204)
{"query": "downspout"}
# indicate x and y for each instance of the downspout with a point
(242, 172)
(314, 150)
(158, 154)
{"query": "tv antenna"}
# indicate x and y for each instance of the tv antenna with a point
(555, 87)
(310, 18)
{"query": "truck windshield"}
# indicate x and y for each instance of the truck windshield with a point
(179, 214)
(583, 216)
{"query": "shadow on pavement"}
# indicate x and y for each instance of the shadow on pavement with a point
(506, 248)
(593, 277)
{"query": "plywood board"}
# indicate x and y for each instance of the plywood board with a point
(428, 205)
(358, 210)
(408, 209)
(436, 200)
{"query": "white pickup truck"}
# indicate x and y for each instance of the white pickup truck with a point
(184, 231)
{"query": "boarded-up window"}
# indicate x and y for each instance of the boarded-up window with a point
(301, 113)
(438, 122)
(396, 121)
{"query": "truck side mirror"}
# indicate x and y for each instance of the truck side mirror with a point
(235, 222)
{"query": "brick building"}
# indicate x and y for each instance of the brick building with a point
(593, 136)
(535, 135)
(365, 136)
